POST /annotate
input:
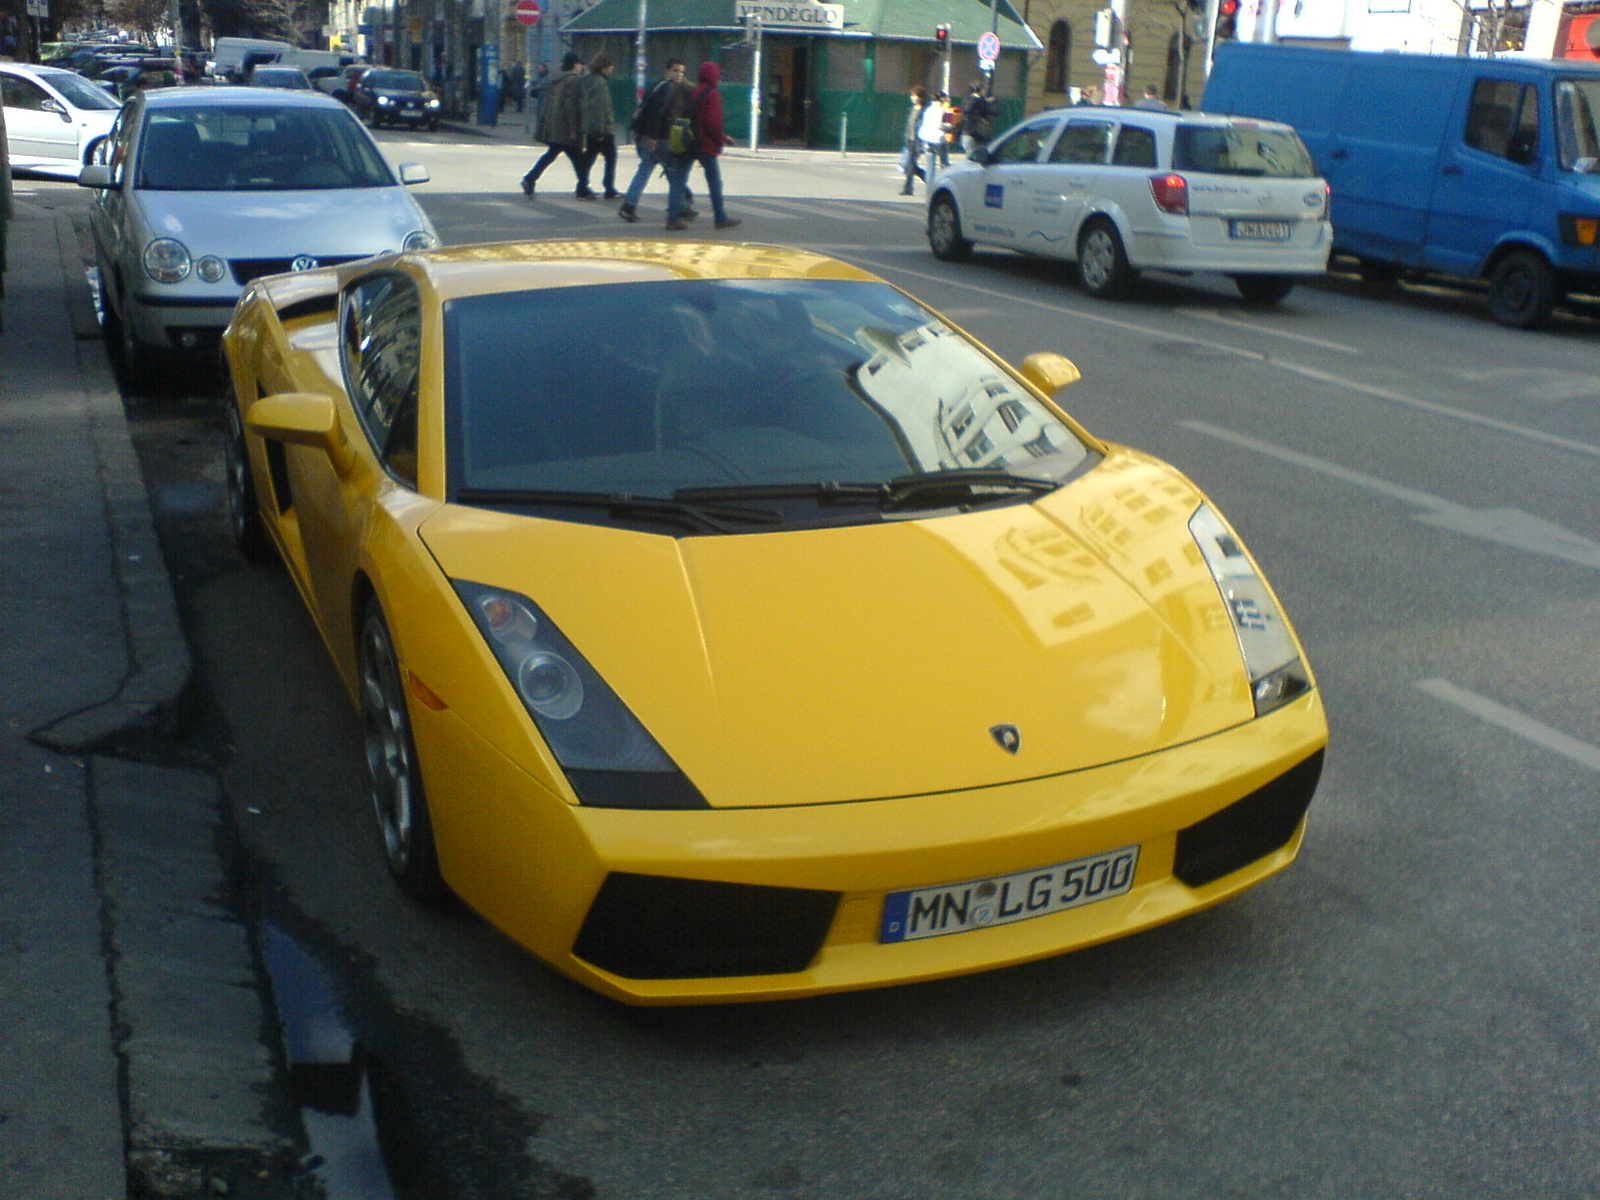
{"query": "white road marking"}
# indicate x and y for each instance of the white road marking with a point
(1507, 526)
(1513, 721)
(1257, 327)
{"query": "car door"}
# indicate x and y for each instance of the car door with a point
(38, 126)
(1068, 184)
(1487, 174)
(335, 503)
(1004, 215)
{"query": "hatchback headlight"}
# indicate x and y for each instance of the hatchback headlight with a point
(211, 269)
(167, 261)
(1277, 673)
(608, 756)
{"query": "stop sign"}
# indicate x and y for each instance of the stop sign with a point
(528, 12)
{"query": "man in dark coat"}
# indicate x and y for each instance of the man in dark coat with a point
(558, 127)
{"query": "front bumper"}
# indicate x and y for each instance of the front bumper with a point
(534, 866)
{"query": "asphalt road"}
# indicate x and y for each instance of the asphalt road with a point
(1409, 1011)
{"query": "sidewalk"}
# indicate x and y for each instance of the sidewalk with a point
(139, 1052)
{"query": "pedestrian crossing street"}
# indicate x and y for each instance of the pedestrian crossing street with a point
(767, 208)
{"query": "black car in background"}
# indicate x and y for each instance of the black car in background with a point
(384, 97)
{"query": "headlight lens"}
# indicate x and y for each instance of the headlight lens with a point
(1277, 674)
(420, 239)
(608, 756)
(385, 101)
(211, 269)
(167, 261)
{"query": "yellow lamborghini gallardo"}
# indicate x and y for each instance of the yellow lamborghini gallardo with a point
(726, 624)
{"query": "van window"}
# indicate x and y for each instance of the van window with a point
(1241, 148)
(1136, 147)
(1503, 119)
(1082, 142)
(1577, 131)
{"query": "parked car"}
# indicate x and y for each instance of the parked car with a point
(385, 97)
(770, 638)
(54, 118)
(86, 58)
(270, 75)
(201, 189)
(340, 84)
(1122, 190)
(126, 78)
(1477, 168)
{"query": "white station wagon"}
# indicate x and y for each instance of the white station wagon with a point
(1122, 190)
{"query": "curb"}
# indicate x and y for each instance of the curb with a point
(150, 699)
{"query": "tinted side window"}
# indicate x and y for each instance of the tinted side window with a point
(382, 343)
(1136, 147)
(22, 93)
(1503, 119)
(1082, 142)
(1023, 145)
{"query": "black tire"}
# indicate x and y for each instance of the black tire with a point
(393, 774)
(1103, 269)
(1522, 290)
(244, 511)
(1263, 289)
(944, 231)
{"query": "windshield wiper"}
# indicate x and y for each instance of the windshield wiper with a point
(723, 518)
(926, 488)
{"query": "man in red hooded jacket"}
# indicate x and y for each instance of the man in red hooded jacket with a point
(705, 109)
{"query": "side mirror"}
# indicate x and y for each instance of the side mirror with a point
(96, 175)
(304, 419)
(55, 106)
(413, 173)
(1050, 372)
(981, 156)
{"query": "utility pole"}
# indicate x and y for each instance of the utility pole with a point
(641, 60)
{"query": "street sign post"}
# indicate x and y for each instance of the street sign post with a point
(988, 49)
(528, 12)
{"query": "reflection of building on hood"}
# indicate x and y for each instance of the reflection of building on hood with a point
(710, 74)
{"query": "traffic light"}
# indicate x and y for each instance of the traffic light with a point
(1227, 20)
(941, 37)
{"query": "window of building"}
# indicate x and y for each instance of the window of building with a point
(1058, 58)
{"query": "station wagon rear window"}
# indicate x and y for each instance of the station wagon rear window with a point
(1241, 149)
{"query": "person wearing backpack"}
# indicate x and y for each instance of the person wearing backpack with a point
(710, 136)
(597, 123)
(651, 128)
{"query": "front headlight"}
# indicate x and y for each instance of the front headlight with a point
(433, 102)
(419, 239)
(608, 756)
(1277, 674)
(167, 261)
(385, 101)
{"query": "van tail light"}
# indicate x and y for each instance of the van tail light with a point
(1327, 201)
(1171, 194)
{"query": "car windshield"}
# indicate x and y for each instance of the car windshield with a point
(396, 81)
(1241, 149)
(80, 93)
(1577, 127)
(264, 148)
(280, 77)
(736, 389)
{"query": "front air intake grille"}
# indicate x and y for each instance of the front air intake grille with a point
(656, 927)
(1247, 829)
(246, 269)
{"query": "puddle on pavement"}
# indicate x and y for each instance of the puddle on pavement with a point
(332, 1075)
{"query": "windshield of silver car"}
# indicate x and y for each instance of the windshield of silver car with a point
(257, 149)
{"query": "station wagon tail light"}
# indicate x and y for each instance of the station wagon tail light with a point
(1579, 231)
(1171, 193)
(1277, 673)
(609, 758)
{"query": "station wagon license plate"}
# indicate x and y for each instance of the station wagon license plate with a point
(1005, 899)
(1259, 231)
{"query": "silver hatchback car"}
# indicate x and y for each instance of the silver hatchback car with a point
(1121, 190)
(201, 190)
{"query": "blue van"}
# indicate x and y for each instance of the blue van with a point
(1479, 168)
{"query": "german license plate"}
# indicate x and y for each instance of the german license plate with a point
(1261, 231)
(1006, 899)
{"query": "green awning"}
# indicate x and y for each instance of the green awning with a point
(891, 20)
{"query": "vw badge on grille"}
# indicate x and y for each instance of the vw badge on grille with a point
(303, 263)
(1007, 737)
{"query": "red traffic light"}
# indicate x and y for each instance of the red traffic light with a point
(1228, 7)
(941, 34)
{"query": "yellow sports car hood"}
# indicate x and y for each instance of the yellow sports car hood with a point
(894, 658)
